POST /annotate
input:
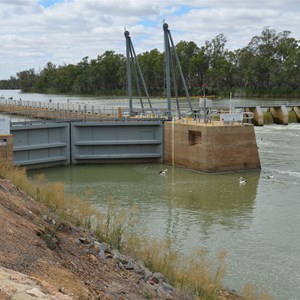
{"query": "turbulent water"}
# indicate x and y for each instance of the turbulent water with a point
(257, 223)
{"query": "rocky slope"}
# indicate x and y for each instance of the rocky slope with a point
(44, 257)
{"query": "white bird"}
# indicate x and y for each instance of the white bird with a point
(270, 176)
(242, 181)
(164, 172)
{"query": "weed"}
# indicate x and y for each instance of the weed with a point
(148, 295)
(116, 226)
(49, 236)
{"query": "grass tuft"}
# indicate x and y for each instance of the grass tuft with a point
(250, 292)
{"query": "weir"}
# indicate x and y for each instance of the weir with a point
(178, 132)
(208, 147)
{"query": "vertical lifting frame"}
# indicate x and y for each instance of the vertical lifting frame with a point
(131, 59)
(170, 70)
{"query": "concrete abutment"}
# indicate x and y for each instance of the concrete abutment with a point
(211, 147)
(6, 150)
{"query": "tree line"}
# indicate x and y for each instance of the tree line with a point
(268, 65)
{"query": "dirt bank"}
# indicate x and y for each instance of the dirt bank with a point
(60, 259)
(45, 257)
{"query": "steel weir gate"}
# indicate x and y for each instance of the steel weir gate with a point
(43, 144)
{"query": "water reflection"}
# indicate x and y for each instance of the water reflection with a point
(182, 203)
(201, 202)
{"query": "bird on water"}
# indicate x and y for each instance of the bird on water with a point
(164, 172)
(242, 181)
(270, 176)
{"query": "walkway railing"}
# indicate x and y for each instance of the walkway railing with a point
(114, 109)
(251, 103)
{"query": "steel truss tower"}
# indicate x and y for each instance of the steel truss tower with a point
(132, 61)
(170, 56)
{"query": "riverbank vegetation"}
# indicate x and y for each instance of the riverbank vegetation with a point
(194, 275)
(269, 66)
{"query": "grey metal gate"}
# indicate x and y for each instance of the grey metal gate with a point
(112, 141)
(41, 144)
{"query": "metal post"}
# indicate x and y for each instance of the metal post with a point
(180, 72)
(140, 75)
(167, 64)
(129, 90)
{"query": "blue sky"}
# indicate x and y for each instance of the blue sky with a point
(47, 3)
(34, 32)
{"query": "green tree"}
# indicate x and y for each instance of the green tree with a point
(186, 51)
(152, 66)
(9, 84)
(27, 80)
(81, 83)
(46, 82)
(220, 68)
(112, 69)
(199, 68)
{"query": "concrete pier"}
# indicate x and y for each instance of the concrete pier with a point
(296, 109)
(280, 115)
(258, 115)
(211, 147)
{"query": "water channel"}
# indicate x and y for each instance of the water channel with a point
(257, 224)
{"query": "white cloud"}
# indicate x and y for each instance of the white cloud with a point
(31, 34)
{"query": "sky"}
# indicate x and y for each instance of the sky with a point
(35, 32)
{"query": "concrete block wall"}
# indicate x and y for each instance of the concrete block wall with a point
(211, 148)
(6, 150)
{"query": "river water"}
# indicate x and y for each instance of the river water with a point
(256, 224)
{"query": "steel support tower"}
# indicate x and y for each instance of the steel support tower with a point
(132, 61)
(171, 58)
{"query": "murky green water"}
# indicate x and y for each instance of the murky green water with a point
(257, 224)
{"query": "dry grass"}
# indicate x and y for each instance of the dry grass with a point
(116, 225)
(193, 275)
(250, 292)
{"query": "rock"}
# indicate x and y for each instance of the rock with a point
(93, 258)
(157, 278)
(144, 272)
(119, 265)
(101, 254)
(35, 292)
(130, 266)
(167, 287)
(122, 258)
(104, 247)
(108, 255)
(104, 250)
(83, 240)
